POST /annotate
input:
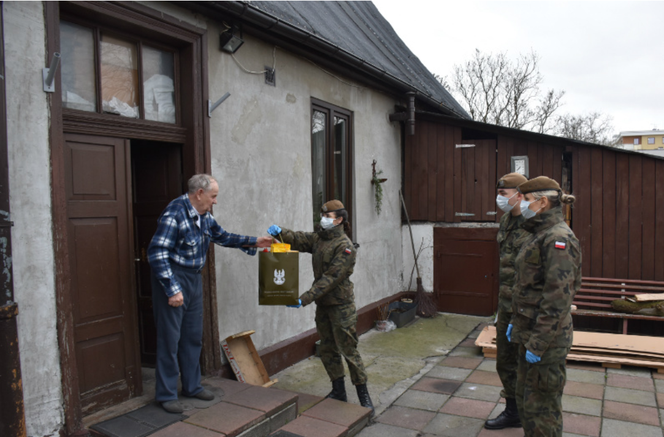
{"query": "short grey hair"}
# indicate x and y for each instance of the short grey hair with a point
(200, 181)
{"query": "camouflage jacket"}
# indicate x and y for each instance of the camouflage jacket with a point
(333, 259)
(548, 275)
(510, 238)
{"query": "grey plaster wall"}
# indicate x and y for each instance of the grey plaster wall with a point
(30, 197)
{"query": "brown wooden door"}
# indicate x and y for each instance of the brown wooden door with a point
(466, 270)
(157, 179)
(478, 181)
(102, 286)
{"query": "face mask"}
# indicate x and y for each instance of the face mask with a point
(526, 212)
(326, 222)
(503, 202)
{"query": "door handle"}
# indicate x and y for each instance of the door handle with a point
(137, 259)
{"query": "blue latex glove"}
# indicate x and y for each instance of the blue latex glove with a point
(274, 230)
(299, 303)
(509, 332)
(532, 358)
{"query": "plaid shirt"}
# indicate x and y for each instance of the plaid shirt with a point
(181, 240)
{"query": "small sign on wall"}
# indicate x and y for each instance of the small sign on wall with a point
(520, 165)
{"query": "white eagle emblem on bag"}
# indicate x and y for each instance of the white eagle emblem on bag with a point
(279, 277)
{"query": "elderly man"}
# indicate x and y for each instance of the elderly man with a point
(177, 255)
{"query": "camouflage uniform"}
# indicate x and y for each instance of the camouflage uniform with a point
(333, 258)
(548, 275)
(510, 238)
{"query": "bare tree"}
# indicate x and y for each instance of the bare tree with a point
(593, 128)
(497, 90)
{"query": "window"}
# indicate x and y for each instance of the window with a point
(637, 140)
(114, 74)
(651, 140)
(331, 157)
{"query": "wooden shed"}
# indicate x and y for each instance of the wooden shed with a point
(450, 170)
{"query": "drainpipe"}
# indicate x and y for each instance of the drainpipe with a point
(409, 116)
(12, 415)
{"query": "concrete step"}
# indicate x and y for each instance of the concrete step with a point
(327, 418)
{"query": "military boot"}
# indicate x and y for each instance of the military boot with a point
(507, 419)
(363, 396)
(338, 390)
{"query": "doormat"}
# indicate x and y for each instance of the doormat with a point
(138, 423)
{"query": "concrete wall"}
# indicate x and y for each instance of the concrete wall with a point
(30, 196)
(423, 241)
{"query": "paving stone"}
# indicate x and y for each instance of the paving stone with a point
(642, 372)
(660, 400)
(454, 373)
(576, 404)
(454, 426)
(341, 413)
(481, 392)
(628, 381)
(468, 407)
(488, 365)
(227, 418)
(466, 352)
(499, 408)
(228, 385)
(630, 396)
(657, 375)
(406, 417)
(282, 417)
(306, 401)
(659, 385)
(567, 434)
(661, 415)
(468, 342)
(618, 428)
(305, 426)
(584, 389)
(436, 385)
(474, 334)
(463, 362)
(593, 367)
(267, 400)
(180, 429)
(384, 430)
(506, 432)
(587, 376)
(631, 413)
(486, 378)
(422, 400)
(580, 424)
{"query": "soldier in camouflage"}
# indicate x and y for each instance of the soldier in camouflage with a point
(333, 258)
(548, 275)
(510, 237)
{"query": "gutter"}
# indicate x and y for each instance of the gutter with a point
(268, 23)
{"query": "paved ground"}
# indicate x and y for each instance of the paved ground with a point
(453, 392)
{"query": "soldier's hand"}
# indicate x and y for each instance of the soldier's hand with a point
(532, 358)
(509, 332)
(299, 304)
(274, 230)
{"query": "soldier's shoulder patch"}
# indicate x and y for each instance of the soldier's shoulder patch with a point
(560, 245)
(347, 251)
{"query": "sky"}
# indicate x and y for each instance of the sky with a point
(607, 56)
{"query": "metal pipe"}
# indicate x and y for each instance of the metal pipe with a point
(410, 123)
(55, 62)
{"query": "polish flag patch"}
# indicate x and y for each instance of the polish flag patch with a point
(348, 251)
(560, 245)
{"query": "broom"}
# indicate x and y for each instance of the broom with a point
(426, 307)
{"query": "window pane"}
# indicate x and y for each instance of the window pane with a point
(158, 89)
(78, 67)
(318, 128)
(340, 147)
(119, 77)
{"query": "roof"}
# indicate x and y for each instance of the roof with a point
(354, 33)
(641, 133)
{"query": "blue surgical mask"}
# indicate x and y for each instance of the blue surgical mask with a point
(326, 222)
(526, 212)
(504, 202)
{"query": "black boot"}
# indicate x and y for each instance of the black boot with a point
(363, 396)
(338, 390)
(507, 419)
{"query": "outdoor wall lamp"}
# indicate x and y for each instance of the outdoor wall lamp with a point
(229, 41)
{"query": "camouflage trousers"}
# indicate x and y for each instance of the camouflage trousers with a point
(338, 338)
(507, 360)
(539, 391)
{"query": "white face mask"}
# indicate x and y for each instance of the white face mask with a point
(526, 212)
(504, 202)
(326, 222)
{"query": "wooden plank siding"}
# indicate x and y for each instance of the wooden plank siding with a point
(618, 216)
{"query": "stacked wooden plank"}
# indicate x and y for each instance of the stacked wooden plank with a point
(610, 350)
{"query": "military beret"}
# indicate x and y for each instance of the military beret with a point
(540, 183)
(332, 205)
(511, 180)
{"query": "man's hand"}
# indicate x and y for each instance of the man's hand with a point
(263, 241)
(176, 300)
